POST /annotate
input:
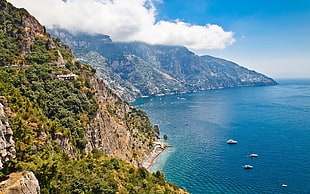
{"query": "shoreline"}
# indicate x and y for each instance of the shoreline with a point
(152, 157)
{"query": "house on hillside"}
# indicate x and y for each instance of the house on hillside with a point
(67, 77)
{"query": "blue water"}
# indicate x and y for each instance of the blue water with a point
(272, 121)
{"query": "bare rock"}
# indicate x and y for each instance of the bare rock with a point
(7, 145)
(109, 132)
(20, 182)
(65, 145)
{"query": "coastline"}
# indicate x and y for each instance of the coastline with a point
(151, 158)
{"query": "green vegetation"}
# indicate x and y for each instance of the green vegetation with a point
(61, 102)
(10, 34)
(95, 173)
(45, 107)
(138, 119)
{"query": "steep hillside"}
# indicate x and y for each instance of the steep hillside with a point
(67, 125)
(7, 144)
(138, 69)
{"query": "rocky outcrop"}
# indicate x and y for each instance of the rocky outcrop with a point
(7, 150)
(20, 182)
(65, 145)
(110, 131)
(31, 29)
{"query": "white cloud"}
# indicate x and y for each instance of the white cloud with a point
(125, 20)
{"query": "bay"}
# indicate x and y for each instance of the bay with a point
(273, 122)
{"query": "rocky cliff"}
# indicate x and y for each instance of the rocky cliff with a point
(7, 144)
(138, 69)
(21, 182)
(118, 129)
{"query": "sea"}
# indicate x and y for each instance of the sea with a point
(271, 121)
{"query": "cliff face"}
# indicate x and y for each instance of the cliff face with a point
(22, 182)
(7, 149)
(118, 129)
(27, 29)
(137, 69)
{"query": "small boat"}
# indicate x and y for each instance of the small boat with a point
(231, 141)
(247, 166)
(284, 185)
(253, 155)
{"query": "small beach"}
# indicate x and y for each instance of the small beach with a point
(149, 161)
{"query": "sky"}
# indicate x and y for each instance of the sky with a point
(269, 36)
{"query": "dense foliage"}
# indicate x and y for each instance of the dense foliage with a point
(44, 106)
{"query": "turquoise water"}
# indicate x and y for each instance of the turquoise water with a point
(273, 122)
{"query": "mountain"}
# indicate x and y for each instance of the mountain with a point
(138, 69)
(61, 124)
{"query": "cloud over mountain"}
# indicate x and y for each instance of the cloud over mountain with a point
(125, 20)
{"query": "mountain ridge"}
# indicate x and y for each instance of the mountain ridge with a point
(138, 69)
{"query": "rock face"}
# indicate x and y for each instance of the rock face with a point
(115, 129)
(137, 69)
(7, 150)
(32, 28)
(65, 145)
(20, 182)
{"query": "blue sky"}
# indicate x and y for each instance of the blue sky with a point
(269, 36)
(272, 36)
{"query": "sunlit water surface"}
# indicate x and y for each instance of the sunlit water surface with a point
(273, 122)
